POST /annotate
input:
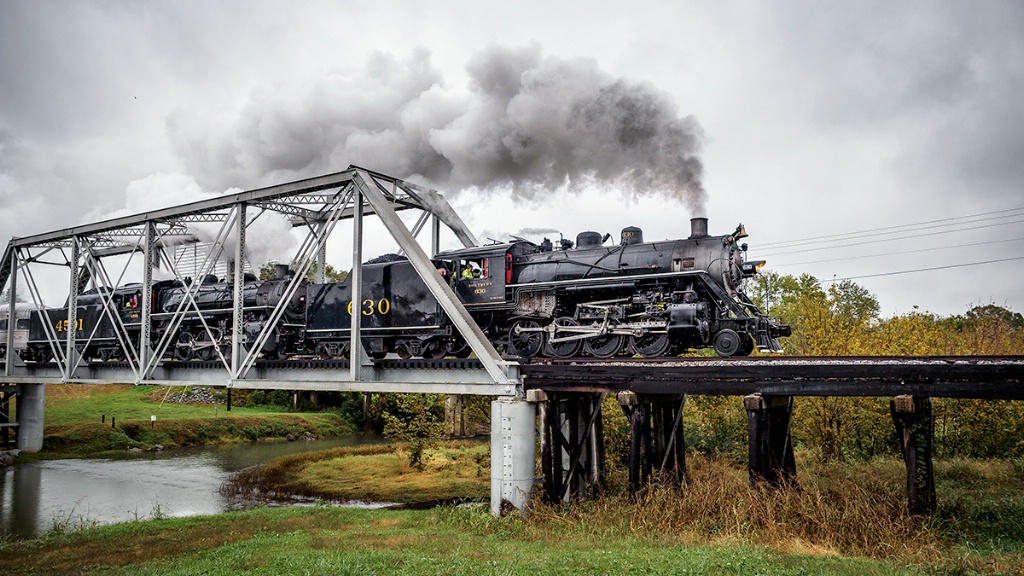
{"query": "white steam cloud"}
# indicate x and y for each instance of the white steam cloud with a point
(537, 125)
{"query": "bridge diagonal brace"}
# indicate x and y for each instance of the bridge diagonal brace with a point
(579, 451)
(121, 333)
(49, 327)
(188, 303)
(674, 450)
(316, 240)
(500, 370)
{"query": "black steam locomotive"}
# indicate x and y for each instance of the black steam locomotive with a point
(645, 298)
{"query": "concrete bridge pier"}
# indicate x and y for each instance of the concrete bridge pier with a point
(513, 454)
(31, 401)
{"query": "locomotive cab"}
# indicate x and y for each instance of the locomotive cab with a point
(483, 273)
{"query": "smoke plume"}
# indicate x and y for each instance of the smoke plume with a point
(536, 125)
(529, 231)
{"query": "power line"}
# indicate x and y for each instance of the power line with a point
(892, 239)
(968, 219)
(845, 258)
(921, 270)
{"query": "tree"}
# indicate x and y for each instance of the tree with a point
(991, 312)
(417, 419)
(991, 329)
(777, 294)
(850, 300)
(269, 269)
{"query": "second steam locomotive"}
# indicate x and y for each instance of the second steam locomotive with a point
(586, 297)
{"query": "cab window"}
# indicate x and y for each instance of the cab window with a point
(473, 268)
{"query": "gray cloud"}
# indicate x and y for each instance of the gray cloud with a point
(938, 83)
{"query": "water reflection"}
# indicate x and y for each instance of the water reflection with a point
(35, 497)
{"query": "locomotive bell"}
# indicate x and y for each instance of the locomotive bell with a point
(698, 228)
(631, 235)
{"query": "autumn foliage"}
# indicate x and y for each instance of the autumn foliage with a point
(842, 319)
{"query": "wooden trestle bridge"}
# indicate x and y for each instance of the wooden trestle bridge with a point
(653, 394)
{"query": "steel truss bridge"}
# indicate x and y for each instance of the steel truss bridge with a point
(315, 206)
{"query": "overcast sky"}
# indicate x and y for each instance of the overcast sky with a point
(798, 119)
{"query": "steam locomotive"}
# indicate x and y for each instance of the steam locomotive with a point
(585, 297)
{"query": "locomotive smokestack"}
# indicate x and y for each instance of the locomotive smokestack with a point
(698, 228)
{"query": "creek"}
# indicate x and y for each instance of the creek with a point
(37, 497)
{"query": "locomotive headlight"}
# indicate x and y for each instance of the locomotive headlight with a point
(751, 268)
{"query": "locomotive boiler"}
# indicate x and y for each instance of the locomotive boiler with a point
(207, 336)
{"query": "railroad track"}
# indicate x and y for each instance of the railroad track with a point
(983, 377)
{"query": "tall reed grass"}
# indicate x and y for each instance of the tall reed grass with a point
(847, 509)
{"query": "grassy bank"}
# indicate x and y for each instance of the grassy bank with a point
(325, 540)
(71, 404)
(372, 473)
(838, 509)
(96, 420)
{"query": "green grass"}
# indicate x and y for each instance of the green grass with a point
(854, 509)
(69, 404)
(441, 541)
(717, 524)
(97, 420)
(373, 473)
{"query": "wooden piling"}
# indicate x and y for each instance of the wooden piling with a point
(639, 447)
(770, 448)
(572, 445)
(915, 432)
(671, 444)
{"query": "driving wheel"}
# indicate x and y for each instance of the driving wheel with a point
(525, 344)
